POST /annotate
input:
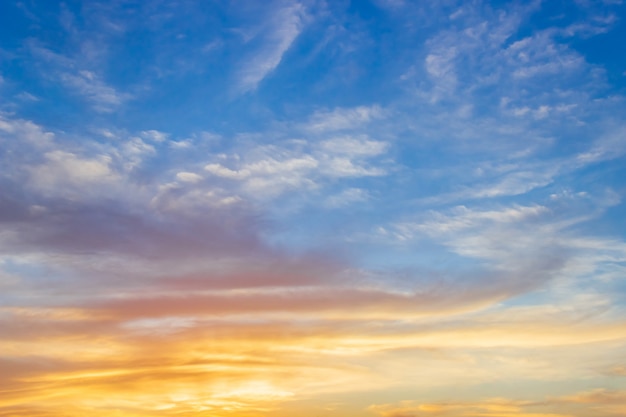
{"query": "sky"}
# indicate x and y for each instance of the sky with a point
(372, 208)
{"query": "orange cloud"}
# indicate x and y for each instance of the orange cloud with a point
(594, 403)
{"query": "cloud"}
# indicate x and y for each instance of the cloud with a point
(478, 58)
(499, 407)
(154, 135)
(270, 176)
(23, 131)
(188, 177)
(347, 197)
(65, 169)
(606, 146)
(354, 146)
(598, 402)
(440, 67)
(344, 118)
(282, 30)
(520, 249)
(103, 97)
(78, 74)
(91, 197)
(272, 170)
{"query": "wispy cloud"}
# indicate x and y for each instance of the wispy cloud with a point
(103, 97)
(597, 402)
(282, 30)
(344, 118)
(346, 197)
(271, 170)
(80, 78)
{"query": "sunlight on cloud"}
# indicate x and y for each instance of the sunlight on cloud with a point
(597, 402)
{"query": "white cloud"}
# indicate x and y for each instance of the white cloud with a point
(189, 199)
(564, 65)
(348, 145)
(471, 61)
(344, 118)
(270, 170)
(529, 243)
(106, 133)
(464, 218)
(26, 131)
(461, 219)
(607, 146)
(224, 172)
(289, 165)
(26, 96)
(519, 249)
(154, 135)
(285, 26)
(347, 197)
(270, 176)
(103, 97)
(345, 167)
(181, 144)
(64, 169)
(133, 152)
(266, 171)
(265, 167)
(188, 177)
(81, 76)
(441, 67)
(515, 183)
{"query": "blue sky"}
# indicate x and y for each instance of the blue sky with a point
(386, 176)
